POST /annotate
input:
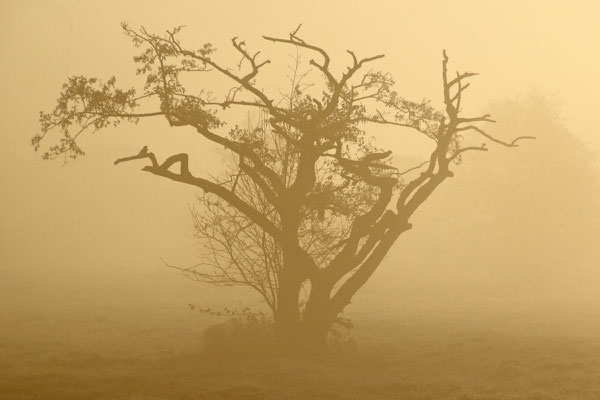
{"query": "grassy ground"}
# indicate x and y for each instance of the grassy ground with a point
(141, 354)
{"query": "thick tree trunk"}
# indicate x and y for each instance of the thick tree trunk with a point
(304, 336)
(318, 317)
(287, 316)
(302, 341)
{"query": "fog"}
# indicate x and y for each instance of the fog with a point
(512, 237)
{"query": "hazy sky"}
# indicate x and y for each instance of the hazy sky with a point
(90, 231)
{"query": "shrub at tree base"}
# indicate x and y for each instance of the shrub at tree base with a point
(250, 334)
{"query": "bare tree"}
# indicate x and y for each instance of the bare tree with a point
(311, 188)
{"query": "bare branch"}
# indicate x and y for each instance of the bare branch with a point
(513, 143)
(210, 187)
(296, 41)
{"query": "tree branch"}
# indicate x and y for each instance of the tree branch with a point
(207, 186)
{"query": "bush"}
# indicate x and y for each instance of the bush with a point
(245, 333)
(250, 334)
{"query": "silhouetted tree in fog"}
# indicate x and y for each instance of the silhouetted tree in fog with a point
(309, 184)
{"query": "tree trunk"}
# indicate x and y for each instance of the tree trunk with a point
(287, 316)
(318, 317)
(302, 341)
(304, 336)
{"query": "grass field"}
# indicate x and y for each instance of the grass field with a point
(112, 353)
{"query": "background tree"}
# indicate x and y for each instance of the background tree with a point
(543, 203)
(330, 175)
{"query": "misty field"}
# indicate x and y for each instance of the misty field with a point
(112, 353)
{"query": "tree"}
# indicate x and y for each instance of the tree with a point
(314, 166)
(546, 210)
